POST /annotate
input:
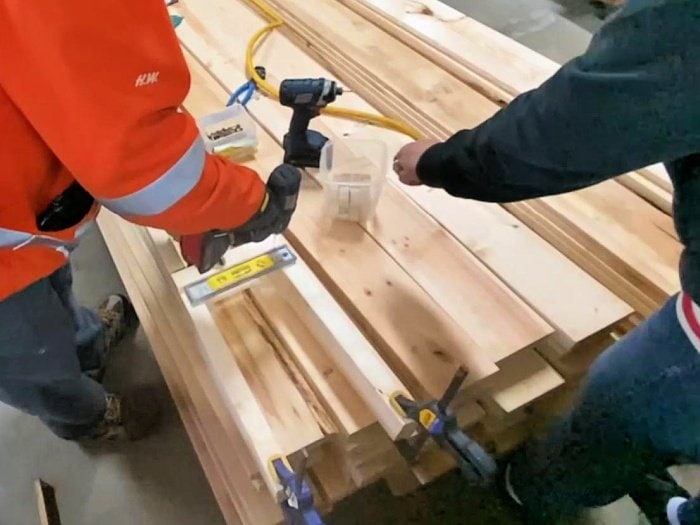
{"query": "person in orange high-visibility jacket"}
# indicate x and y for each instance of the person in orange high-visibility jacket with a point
(90, 93)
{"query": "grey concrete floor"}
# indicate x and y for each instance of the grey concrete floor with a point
(159, 481)
(154, 482)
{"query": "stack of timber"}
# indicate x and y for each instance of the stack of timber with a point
(305, 360)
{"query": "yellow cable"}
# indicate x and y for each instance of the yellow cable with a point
(275, 21)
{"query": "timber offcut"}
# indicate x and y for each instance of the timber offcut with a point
(305, 361)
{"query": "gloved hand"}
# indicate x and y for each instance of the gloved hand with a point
(206, 250)
(276, 210)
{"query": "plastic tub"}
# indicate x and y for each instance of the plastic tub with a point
(352, 172)
(230, 133)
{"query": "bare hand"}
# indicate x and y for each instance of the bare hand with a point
(406, 161)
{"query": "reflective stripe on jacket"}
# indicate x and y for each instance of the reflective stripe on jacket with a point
(91, 93)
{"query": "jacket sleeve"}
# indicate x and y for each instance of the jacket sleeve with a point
(631, 100)
(102, 83)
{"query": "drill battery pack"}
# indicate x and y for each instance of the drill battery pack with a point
(230, 133)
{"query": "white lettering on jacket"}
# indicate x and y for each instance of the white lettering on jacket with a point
(146, 79)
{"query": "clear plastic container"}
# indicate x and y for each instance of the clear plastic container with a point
(231, 133)
(352, 172)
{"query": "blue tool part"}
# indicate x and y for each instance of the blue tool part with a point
(245, 92)
(439, 423)
(298, 508)
(176, 20)
(438, 427)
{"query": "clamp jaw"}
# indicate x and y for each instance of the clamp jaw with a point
(438, 422)
(298, 507)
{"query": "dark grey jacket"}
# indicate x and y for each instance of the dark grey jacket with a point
(631, 100)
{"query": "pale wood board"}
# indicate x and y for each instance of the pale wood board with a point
(424, 345)
(403, 230)
(649, 191)
(294, 414)
(342, 402)
(433, 110)
(469, 220)
(483, 58)
(218, 443)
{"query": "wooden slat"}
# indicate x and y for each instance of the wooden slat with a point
(332, 389)
(440, 31)
(293, 411)
(524, 378)
(479, 226)
(217, 442)
(403, 231)
(648, 190)
(349, 349)
(229, 378)
(434, 111)
(428, 345)
(659, 176)
(303, 294)
(483, 58)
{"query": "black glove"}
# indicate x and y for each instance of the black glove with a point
(276, 210)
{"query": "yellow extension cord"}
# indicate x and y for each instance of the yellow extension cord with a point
(275, 20)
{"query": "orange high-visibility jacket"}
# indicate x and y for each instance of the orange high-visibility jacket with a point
(90, 91)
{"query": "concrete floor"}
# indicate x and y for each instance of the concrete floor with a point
(159, 481)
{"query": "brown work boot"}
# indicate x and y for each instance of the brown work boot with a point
(118, 318)
(128, 418)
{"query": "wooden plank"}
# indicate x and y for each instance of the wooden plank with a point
(332, 389)
(499, 239)
(232, 374)
(574, 365)
(457, 279)
(659, 176)
(359, 360)
(622, 226)
(428, 345)
(594, 266)
(523, 378)
(295, 414)
(649, 191)
(352, 353)
(469, 221)
(222, 452)
(403, 231)
(330, 476)
(483, 58)
(433, 110)
(441, 32)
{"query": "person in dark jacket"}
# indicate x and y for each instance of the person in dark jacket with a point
(633, 99)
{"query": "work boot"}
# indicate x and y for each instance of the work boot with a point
(118, 318)
(127, 418)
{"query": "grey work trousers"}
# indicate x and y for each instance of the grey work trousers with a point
(47, 341)
(639, 412)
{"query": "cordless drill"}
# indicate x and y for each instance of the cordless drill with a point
(307, 97)
(206, 250)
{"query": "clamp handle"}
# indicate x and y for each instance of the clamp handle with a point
(438, 423)
(298, 507)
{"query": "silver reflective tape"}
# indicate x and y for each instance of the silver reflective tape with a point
(12, 238)
(167, 190)
(16, 240)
